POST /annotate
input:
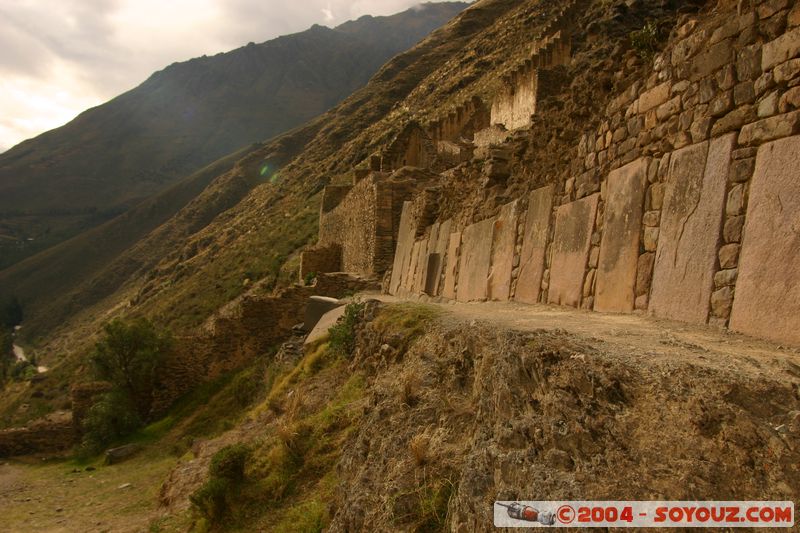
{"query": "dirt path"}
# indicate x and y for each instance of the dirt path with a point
(652, 343)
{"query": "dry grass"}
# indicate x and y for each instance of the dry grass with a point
(419, 446)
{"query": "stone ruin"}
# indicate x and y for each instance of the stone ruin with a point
(683, 202)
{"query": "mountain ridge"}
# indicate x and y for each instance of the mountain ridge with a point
(184, 117)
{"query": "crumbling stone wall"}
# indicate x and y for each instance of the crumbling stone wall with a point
(47, 435)
(253, 327)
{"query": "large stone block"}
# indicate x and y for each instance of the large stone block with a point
(690, 230)
(437, 244)
(475, 261)
(451, 270)
(420, 272)
(534, 245)
(573, 237)
(405, 242)
(505, 241)
(411, 274)
(619, 249)
(767, 300)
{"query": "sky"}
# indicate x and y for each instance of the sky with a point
(60, 57)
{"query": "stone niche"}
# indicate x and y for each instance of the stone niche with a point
(573, 238)
(503, 245)
(534, 245)
(619, 249)
(691, 221)
(767, 299)
(475, 261)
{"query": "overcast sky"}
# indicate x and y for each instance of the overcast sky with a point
(60, 57)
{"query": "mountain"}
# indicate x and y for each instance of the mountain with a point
(185, 117)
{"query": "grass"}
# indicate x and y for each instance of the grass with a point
(89, 500)
(409, 320)
(291, 474)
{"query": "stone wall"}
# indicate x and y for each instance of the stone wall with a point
(320, 260)
(682, 201)
(362, 228)
(51, 434)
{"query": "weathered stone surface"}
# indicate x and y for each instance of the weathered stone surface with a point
(742, 170)
(732, 232)
(324, 324)
(725, 278)
(770, 128)
(405, 242)
(534, 245)
(711, 59)
(654, 97)
(573, 234)
(781, 49)
(476, 258)
(690, 223)
(729, 256)
(721, 302)
(315, 308)
(650, 241)
(451, 270)
(503, 245)
(644, 273)
(619, 250)
(767, 299)
(790, 100)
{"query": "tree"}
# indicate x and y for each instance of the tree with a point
(129, 356)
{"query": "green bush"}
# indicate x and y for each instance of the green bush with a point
(342, 334)
(310, 277)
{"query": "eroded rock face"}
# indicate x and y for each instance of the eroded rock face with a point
(767, 300)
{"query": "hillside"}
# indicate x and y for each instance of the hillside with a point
(185, 117)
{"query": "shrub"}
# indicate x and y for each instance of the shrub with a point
(310, 277)
(342, 334)
(645, 41)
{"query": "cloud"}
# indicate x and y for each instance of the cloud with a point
(59, 58)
